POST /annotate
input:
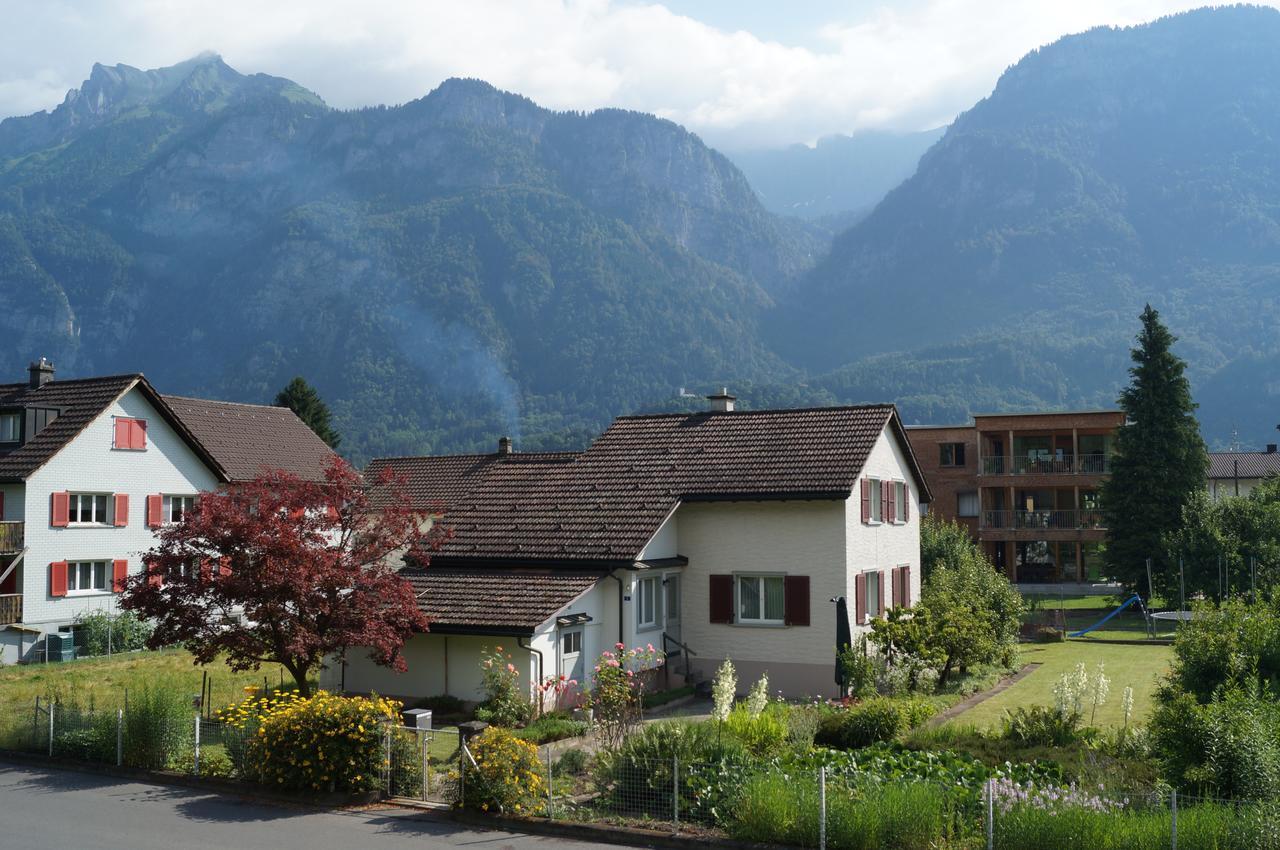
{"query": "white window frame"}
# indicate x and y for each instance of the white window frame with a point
(16, 419)
(73, 510)
(762, 620)
(188, 502)
(571, 635)
(899, 499)
(74, 572)
(877, 500)
(876, 576)
(652, 587)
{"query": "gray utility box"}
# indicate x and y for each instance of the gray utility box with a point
(417, 718)
(60, 646)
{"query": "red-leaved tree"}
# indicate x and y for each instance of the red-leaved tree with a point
(279, 569)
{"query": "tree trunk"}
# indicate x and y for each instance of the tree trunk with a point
(299, 674)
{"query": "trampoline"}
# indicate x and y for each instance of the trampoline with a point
(1177, 616)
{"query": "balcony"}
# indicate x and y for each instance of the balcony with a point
(1046, 520)
(13, 538)
(10, 608)
(1090, 464)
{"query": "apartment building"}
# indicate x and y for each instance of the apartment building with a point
(1026, 485)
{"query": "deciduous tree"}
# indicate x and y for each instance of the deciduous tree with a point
(283, 570)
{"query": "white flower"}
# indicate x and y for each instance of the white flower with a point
(723, 690)
(1126, 703)
(759, 697)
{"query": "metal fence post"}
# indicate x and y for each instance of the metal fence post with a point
(991, 814)
(52, 704)
(675, 791)
(119, 737)
(425, 737)
(1173, 807)
(551, 797)
(196, 762)
(822, 807)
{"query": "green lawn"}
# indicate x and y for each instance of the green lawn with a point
(1080, 612)
(103, 681)
(1138, 666)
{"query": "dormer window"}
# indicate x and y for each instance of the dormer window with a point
(10, 427)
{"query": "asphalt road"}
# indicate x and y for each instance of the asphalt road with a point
(56, 809)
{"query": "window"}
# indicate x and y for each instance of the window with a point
(10, 427)
(130, 434)
(87, 508)
(761, 599)
(86, 576)
(571, 642)
(899, 500)
(877, 508)
(176, 507)
(967, 503)
(647, 614)
(951, 454)
(672, 601)
(873, 593)
(39, 418)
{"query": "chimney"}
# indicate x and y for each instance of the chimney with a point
(1271, 448)
(721, 402)
(504, 445)
(40, 372)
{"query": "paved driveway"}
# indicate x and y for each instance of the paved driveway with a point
(56, 809)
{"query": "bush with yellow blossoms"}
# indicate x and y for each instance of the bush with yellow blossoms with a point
(319, 743)
(506, 777)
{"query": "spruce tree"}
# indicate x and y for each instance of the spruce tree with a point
(302, 399)
(1160, 462)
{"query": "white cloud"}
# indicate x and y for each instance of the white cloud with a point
(884, 64)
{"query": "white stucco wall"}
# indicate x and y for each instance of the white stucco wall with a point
(1224, 488)
(90, 464)
(883, 546)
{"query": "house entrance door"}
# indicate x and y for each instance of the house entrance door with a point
(571, 663)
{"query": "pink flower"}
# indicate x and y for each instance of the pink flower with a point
(511, 668)
(613, 662)
(620, 645)
(649, 648)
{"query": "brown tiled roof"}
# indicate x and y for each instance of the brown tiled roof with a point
(435, 483)
(246, 439)
(607, 503)
(79, 402)
(1250, 464)
(504, 600)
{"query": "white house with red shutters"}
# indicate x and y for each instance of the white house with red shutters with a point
(713, 535)
(91, 468)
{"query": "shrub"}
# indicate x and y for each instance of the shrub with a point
(552, 727)
(802, 725)
(318, 743)
(159, 725)
(764, 734)
(507, 775)
(1041, 726)
(572, 762)
(506, 702)
(445, 705)
(616, 697)
(100, 631)
(871, 721)
(858, 669)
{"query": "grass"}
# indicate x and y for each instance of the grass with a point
(1137, 666)
(104, 681)
(1080, 612)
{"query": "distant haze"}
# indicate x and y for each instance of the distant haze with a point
(741, 75)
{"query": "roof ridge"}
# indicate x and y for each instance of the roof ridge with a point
(515, 455)
(132, 376)
(168, 396)
(760, 412)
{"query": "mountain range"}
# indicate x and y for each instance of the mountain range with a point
(470, 264)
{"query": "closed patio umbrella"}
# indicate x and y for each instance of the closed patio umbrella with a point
(844, 637)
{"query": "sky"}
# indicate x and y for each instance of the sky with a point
(742, 74)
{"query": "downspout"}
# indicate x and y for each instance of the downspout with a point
(520, 641)
(621, 630)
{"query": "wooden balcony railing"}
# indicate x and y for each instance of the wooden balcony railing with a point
(12, 537)
(1047, 520)
(1091, 464)
(10, 608)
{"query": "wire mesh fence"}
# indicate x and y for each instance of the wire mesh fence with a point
(420, 763)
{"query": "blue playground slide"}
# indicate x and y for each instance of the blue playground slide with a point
(1083, 632)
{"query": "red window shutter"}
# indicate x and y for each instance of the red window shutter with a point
(58, 578)
(155, 577)
(224, 566)
(897, 587)
(155, 511)
(119, 572)
(795, 597)
(123, 436)
(61, 510)
(891, 515)
(906, 586)
(721, 598)
(206, 569)
(884, 585)
(296, 514)
(860, 599)
(137, 433)
(906, 502)
(122, 510)
(866, 501)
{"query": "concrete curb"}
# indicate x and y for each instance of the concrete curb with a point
(606, 834)
(219, 786)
